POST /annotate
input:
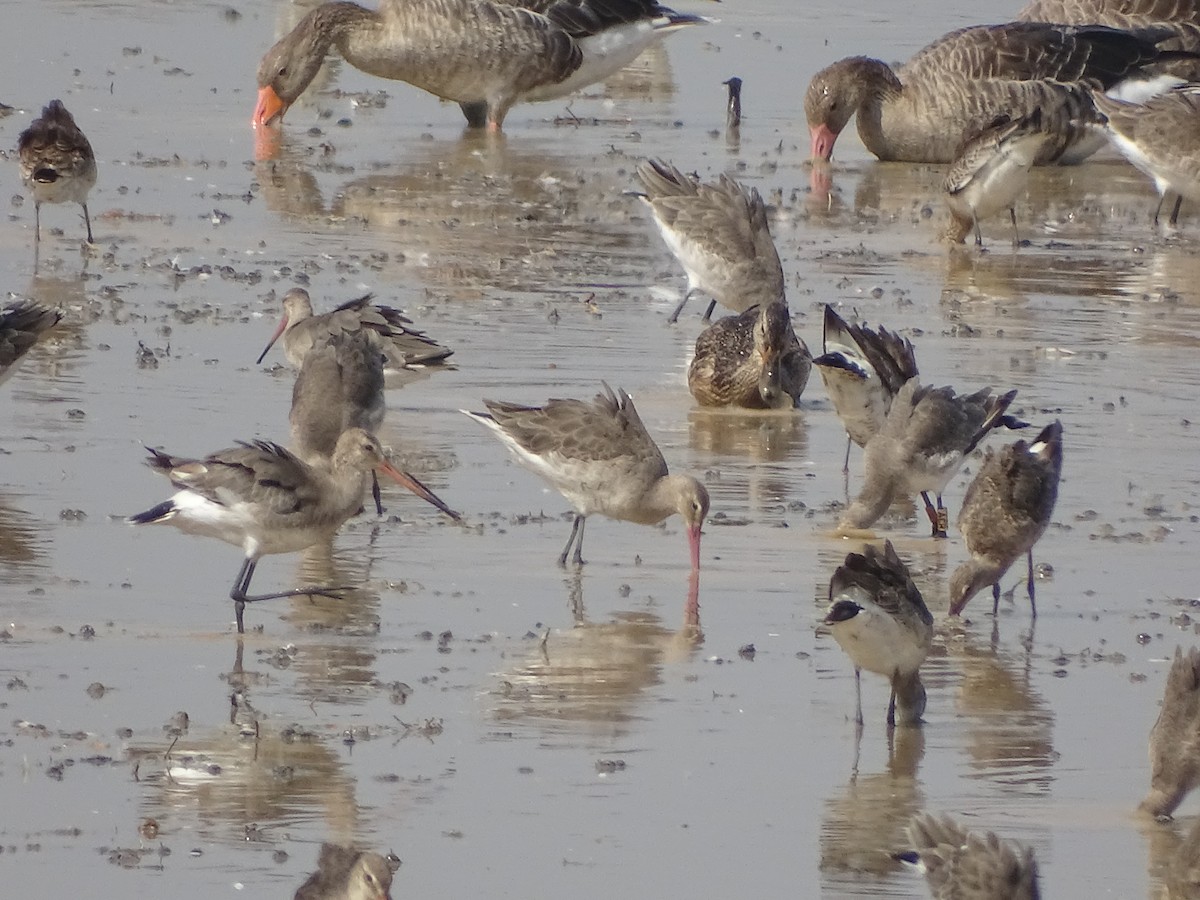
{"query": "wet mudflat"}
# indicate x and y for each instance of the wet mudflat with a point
(502, 725)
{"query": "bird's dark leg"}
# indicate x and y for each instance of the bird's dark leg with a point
(240, 598)
(1029, 582)
(376, 495)
(1175, 212)
(576, 529)
(712, 304)
(996, 599)
(846, 461)
(891, 716)
(858, 716)
(1012, 214)
(674, 317)
(88, 221)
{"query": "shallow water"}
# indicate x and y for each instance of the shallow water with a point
(634, 751)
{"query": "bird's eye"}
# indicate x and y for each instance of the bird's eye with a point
(282, 72)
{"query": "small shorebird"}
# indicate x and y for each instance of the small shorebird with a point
(21, 326)
(862, 368)
(600, 457)
(266, 500)
(484, 55)
(753, 360)
(990, 173)
(344, 873)
(402, 345)
(1161, 137)
(877, 616)
(719, 234)
(962, 865)
(961, 83)
(927, 434)
(1005, 512)
(57, 163)
(339, 386)
(1175, 738)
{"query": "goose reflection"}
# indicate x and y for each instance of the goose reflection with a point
(869, 815)
(25, 543)
(218, 780)
(592, 675)
(502, 216)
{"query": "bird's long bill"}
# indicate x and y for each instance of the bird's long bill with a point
(417, 488)
(693, 533)
(271, 343)
(269, 107)
(823, 139)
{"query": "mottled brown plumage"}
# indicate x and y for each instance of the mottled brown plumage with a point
(484, 55)
(1161, 137)
(753, 360)
(57, 162)
(1005, 512)
(963, 82)
(344, 873)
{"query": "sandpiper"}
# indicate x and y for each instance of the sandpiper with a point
(962, 865)
(402, 345)
(1161, 137)
(753, 360)
(344, 873)
(339, 386)
(57, 163)
(266, 500)
(600, 457)
(719, 234)
(1005, 512)
(877, 616)
(927, 434)
(991, 172)
(1175, 738)
(863, 368)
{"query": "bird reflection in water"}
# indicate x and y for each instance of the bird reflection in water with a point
(870, 813)
(24, 543)
(1174, 858)
(593, 674)
(215, 780)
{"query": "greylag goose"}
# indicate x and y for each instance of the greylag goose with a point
(347, 874)
(753, 360)
(21, 326)
(1005, 512)
(264, 499)
(57, 163)
(963, 82)
(877, 615)
(926, 436)
(990, 172)
(863, 369)
(1175, 738)
(339, 386)
(600, 457)
(401, 344)
(485, 55)
(719, 234)
(962, 865)
(1161, 137)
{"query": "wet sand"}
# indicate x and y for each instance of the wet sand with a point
(635, 751)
